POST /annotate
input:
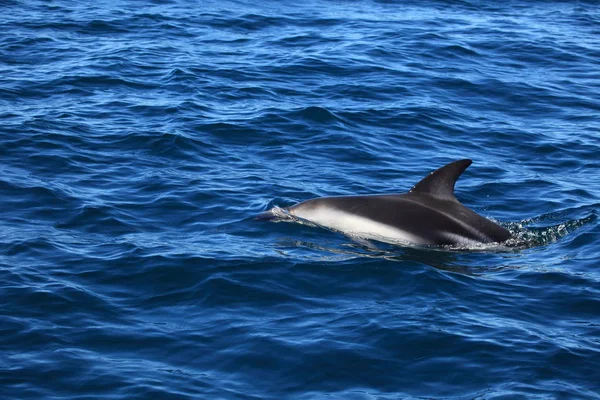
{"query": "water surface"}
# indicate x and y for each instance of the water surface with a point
(139, 140)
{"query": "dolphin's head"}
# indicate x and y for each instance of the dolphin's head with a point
(268, 215)
(275, 214)
(306, 209)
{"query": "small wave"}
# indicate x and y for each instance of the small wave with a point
(316, 114)
(101, 219)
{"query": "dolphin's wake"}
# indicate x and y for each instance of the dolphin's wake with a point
(533, 232)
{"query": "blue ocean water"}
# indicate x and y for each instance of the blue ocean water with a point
(138, 141)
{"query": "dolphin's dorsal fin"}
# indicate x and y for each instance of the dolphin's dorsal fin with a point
(440, 183)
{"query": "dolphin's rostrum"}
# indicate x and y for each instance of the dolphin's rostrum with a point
(428, 214)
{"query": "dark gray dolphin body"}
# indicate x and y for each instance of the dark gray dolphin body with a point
(428, 214)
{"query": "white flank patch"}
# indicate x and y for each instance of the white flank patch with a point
(355, 225)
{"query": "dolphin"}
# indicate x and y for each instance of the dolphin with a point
(427, 215)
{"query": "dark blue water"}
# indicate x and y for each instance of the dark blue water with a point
(138, 140)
